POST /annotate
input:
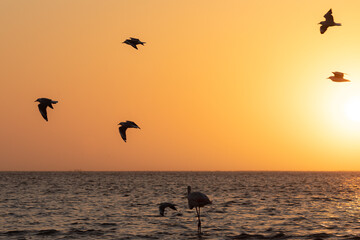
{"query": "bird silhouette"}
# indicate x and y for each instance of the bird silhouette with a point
(165, 205)
(197, 200)
(133, 42)
(338, 77)
(329, 22)
(124, 126)
(43, 104)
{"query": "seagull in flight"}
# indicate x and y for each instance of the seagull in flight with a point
(133, 42)
(338, 77)
(329, 22)
(124, 126)
(43, 104)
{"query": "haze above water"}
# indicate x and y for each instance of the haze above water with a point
(123, 205)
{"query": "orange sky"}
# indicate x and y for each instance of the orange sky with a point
(219, 85)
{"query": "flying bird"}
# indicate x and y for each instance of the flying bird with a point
(133, 42)
(329, 22)
(165, 205)
(124, 126)
(197, 200)
(338, 77)
(43, 104)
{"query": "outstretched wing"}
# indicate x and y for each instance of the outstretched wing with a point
(135, 39)
(134, 46)
(131, 43)
(172, 206)
(328, 16)
(134, 125)
(323, 29)
(42, 109)
(122, 131)
(338, 74)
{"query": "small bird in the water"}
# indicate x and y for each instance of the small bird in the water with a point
(164, 205)
(197, 200)
(133, 42)
(329, 22)
(124, 126)
(338, 77)
(43, 104)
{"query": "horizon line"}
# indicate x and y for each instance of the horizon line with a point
(80, 170)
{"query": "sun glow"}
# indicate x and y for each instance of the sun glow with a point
(352, 108)
(343, 105)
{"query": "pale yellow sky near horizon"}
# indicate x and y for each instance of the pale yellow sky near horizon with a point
(219, 85)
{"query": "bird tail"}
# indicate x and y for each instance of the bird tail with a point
(337, 24)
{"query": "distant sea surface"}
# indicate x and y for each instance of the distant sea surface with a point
(124, 205)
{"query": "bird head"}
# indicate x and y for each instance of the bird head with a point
(188, 190)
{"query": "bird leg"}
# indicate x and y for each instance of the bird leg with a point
(199, 221)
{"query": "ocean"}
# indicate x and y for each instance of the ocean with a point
(124, 205)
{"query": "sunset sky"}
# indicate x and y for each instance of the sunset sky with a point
(219, 85)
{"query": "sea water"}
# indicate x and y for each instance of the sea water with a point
(124, 205)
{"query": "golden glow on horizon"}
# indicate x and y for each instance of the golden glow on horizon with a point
(212, 89)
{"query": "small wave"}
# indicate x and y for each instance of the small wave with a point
(86, 232)
(108, 224)
(16, 232)
(249, 236)
(147, 236)
(279, 235)
(325, 199)
(351, 237)
(228, 203)
(319, 236)
(47, 232)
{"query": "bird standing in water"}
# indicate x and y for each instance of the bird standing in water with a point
(124, 126)
(43, 104)
(197, 200)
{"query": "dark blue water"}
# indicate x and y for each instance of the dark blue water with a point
(124, 205)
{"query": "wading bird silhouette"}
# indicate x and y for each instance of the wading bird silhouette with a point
(43, 104)
(197, 200)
